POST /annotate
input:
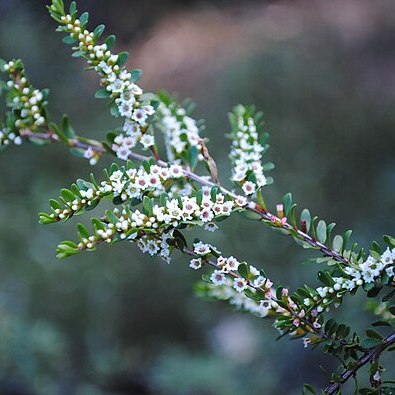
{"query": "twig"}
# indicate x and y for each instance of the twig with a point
(370, 355)
(264, 215)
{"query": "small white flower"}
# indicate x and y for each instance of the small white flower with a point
(249, 187)
(239, 284)
(218, 278)
(176, 171)
(140, 116)
(201, 248)
(196, 263)
(368, 275)
(206, 215)
(386, 257)
(232, 263)
(117, 86)
(241, 200)
(390, 271)
(147, 141)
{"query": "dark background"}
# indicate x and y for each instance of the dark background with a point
(117, 322)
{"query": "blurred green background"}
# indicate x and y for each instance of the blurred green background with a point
(117, 322)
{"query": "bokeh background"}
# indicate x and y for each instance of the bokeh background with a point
(117, 322)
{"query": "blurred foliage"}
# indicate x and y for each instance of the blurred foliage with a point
(91, 325)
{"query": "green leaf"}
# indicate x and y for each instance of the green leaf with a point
(114, 111)
(308, 389)
(99, 31)
(373, 334)
(66, 128)
(110, 41)
(369, 343)
(250, 215)
(67, 195)
(268, 166)
(305, 217)
(84, 19)
(102, 94)
(243, 270)
(346, 238)
(111, 217)
(381, 323)
(325, 278)
(337, 243)
(148, 205)
(78, 54)
(122, 58)
(45, 219)
(55, 204)
(72, 8)
(376, 247)
(287, 203)
(82, 232)
(321, 231)
(69, 40)
(193, 155)
(136, 75)
(390, 241)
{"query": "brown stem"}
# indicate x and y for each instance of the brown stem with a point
(369, 356)
(264, 215)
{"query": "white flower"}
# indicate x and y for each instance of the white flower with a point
(117, 86)
(140, 116)
(196, 263)
(368, 275)
(136, 90)
(218, 278)
(176, 171)
(141, 182)
(241, 200)
(232, 263)
(390, 271)
(206, 215)
(386, 257)
(249, 187)
(239, 284)
(122, 152)
(147, 141)
(201, 248)
(151, 247)
(125, 108)
(131, 127)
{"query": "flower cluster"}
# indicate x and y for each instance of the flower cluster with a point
(119, 84)
(27, 103)
(246, 153)
(151, 225)
(225, 283)
(365, 273)
(180, 130)
(125, 183)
